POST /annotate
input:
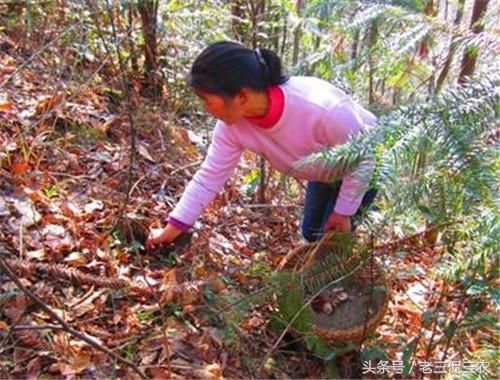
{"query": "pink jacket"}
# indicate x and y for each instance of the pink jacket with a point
(316, 115)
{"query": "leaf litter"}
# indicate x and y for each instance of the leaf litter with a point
(60, 205)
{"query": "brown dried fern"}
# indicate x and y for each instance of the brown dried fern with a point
(63, 272)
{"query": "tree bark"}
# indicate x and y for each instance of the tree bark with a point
(354, 46)
(238, 13)
(453, 48)
(297, 33)
(133, 58)
(372, 41)
(470, 55)
(423, 46)
(285, 32)
(257, 8)
(148, 9)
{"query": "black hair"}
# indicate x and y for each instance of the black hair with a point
(224, 68)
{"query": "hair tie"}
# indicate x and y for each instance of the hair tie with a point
(260, 58)
(261, 61)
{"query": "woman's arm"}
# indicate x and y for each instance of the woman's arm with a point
(349, 119)
(222, 157)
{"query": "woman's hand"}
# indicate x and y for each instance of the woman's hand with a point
(338, 222)
(165, 236)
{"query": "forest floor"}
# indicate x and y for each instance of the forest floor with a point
(64, 174)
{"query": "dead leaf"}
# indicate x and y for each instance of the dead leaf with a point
(74, 162)
(19, 168)
(78, 363)
(158, 373)
(143, 151)
(95, 205)
(14, 310)
(5, 106)
(54, 229)
(169, 286)
(71, 209)
(38, 254)
(7, 69)
(29, 215)
(210, 371)
(189, 292)
(76, 258)
(217, 285)
(86, 306)
(147, 359)
(48, 102)
(57, 238)
(4, 208)
(33, 369)
(255, 321)
(412, 315)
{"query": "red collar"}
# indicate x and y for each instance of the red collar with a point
(276, 105)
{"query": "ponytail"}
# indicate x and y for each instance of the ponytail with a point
(274, 69)
(224, 68)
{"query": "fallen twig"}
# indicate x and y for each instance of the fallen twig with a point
(35, 327)
(87, 339)
(190, 165)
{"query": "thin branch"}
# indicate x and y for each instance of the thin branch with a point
(30, 59)
(272, 206)
(442, 295)
(190, 165)
(41, 327)
(130, 106)
(87, 339)
(162, 314)
(460, 309)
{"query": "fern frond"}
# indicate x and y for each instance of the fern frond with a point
(447, 131)
(291, 297)
(366, 16)
(327, 271)
(404, 43)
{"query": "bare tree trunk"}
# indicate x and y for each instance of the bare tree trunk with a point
(453, 48)
(372, 40)
(276, 28)
(470, 55)
(257, 9)
(430, 10)
(297, 33)
(356, 43)
(285, 32)
(148, 9)
(28, 19)
(423, 46)
(238, 13)
(354, 46)
(133, 58)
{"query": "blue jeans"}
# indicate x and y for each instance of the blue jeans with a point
(320, 200)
